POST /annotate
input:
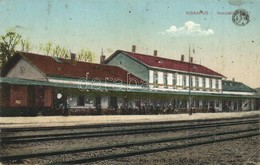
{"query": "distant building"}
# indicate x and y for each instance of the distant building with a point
(240, 96)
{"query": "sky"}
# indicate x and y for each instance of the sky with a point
(169, 26)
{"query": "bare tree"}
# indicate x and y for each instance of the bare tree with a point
(10, 41)
(59, 51)
(64, 53)
(86, 55)
(8, 45)
(26, 45)
(46, 48)
(55, 51)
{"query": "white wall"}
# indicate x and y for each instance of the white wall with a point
(24, 70)
(220, 84)
(151, 76)
(200, 81)
(180, 79)
(207, 82)
(169, 79)
(193, 81)
(213, 83)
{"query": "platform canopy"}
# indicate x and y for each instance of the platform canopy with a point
(110, 86)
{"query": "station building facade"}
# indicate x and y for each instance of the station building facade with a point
(207, 88)
(125, 83)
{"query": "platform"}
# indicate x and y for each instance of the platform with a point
(41, 121)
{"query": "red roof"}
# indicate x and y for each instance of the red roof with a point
(59, 67)
(154, 61)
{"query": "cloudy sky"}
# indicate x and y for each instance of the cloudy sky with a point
(168, 26)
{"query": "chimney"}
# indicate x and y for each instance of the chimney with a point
(133, 48)
(73, 57)
(182, 57)
(102, 59)
(233, 79)
(155, 52)
(191, 59)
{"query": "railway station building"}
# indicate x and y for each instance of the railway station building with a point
(188, 78)
(124, 83)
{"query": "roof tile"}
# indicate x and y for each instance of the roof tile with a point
(59, 67)
(155, 61)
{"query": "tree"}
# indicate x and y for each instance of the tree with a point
(8, 45)
(46, 48)
(64, 53)
(86, 55)
(26, 45)
(59, 51)
(50, 49)
(56, 51)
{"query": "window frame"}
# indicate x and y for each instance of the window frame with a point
(155, 79)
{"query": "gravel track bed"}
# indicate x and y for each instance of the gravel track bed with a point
(213, 152)
(90, 142)
(236, 152)
(231, 152)
(78, 130)
(35, 147)
(87, 129)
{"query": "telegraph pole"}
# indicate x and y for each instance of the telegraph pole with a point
(190, 110)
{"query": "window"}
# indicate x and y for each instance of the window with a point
(89, 100)
(230, 103)
(217, 84)
(113, 102)
(205, 104)
(197, 81)
(165, 80)
(191, 82)
(210, 83)
(203, 83)
(155, 79)
(81, 101)
(197, 103)
(184, 80)
(73, 101)
(217, 103)
(192, 103)
(174, 80)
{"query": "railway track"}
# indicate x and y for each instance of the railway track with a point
(108, 125)
(121, 150)
(119, 132)
(172, 147)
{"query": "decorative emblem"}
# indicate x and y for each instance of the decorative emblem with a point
(240, 17)
(22, 70)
